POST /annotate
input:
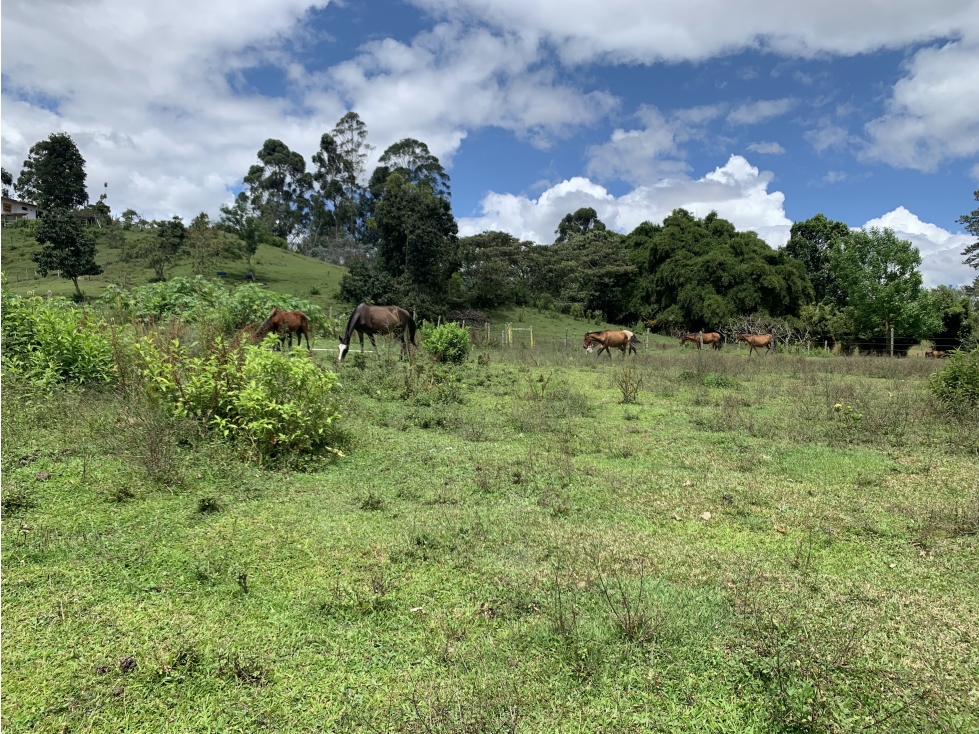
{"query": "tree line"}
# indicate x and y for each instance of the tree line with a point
(393, 228)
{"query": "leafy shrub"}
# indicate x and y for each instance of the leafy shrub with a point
(447, 343)
(198, 299)
(956, 384)
(51, 342)
(273, 402)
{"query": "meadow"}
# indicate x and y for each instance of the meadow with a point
(538, 540)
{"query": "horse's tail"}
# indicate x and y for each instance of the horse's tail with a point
(412, 327)
(634, 339)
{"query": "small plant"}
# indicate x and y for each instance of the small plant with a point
(629, 382)
(207, 505)
(447, 343)
(720, 381)
(372, 502)
(538, 385)
(314, 291)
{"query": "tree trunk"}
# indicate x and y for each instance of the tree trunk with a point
(77, 289)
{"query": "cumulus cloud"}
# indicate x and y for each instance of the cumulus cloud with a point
(941, 250)
(638, 31)
(755, 112)
(932, 114)
(158, 109)
(737, 191)
(766, 148)
(826, 135)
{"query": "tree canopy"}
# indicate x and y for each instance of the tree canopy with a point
(810, 243)
(701, 272)
(582, 221)
(53, 174)
(971, 252)
(66, 247)
(278, 188)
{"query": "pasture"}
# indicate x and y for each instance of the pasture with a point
(535, 541)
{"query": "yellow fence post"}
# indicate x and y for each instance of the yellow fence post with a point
(531, 337)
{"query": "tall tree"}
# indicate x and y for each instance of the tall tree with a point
(582, 221)
(332, 171)
(66, 247)
(238, 220)
(877, 273)
(53, 174)
(415, 163)
(278, 187)
(593, 269)
(971, 252)
(7, 180)
(701, 272)
(159, 248)
(810, 243)
(350, 137)
(494, 269)
(207, 244)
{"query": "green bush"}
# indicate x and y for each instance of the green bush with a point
(198, 299)
(52, 341)
(447, 343)
(956, 384)
(273, 402)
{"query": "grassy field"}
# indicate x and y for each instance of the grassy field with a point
(506, 546)
(283, 271)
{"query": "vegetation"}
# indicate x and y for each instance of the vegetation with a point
(66, 247)
(956, 384)
(53, 176)
(447, 343)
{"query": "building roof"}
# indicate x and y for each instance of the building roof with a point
(18, 201)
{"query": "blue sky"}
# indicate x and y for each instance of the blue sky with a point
(766, 111)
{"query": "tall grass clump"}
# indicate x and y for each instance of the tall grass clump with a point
(447, 343)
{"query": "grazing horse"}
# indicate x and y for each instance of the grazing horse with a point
(609, 340)
(711, 338)
(936, 354)
(757, 341)
(371, 320)
(286, 323)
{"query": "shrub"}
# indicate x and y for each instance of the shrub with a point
(956, 384)
(447, 343)
(51, 342)
(273, 402)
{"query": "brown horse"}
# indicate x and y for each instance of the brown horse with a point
(609, 340)
(711, 338)
(286, 323)
(757, 341)
(936, 354)
(369, 319)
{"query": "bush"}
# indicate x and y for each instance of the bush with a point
(956, 384)
(51, 342)
(447, 343)
(275, 403)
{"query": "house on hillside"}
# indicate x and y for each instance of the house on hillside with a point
(14, 210)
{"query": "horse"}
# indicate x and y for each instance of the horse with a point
(936, 354)
(712, 338)
(286, 323)
(609, 340)
(757, 341)
(369, 319)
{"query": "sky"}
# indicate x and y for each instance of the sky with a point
(766, 111)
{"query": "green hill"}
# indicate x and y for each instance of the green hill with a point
(281, 270)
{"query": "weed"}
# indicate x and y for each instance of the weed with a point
(251, 670)
(372, 502)
(629, 382)
(206, 505)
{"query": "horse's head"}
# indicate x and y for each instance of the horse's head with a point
(590, 341)
(342, 352)
(742, 338)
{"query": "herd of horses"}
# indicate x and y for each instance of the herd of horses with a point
(370, 320)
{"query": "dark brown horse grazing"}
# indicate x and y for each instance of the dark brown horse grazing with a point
(609, 340)
(371, 320)
(936, 354)
(757, 341)
(286, 323)
(710, 338)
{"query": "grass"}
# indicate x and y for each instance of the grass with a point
(283, 271)
(507, 547)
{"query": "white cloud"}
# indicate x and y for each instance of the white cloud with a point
(736, 190)
(826, 135)
(933, 113)
(833, 177)
(766, 148)
(941, 251)
(639, 31)
(159, 110)
(755, 112)
(653, 152)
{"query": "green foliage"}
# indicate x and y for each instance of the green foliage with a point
(67, 247)
(447, 343)
(592, 268)
(413, 160)
(584, 220)
(53, 176)
(52, 342)
(971, 222)
(494, 269)
(200, 300)
(278, 188)
(702, 272)
(810, 243)
(275, 403)
(956, 384)
(877, 274)
(252, 231)
(208, 244)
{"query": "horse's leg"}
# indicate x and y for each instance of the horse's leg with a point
(361, 335)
